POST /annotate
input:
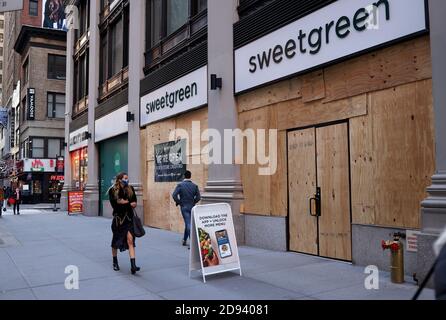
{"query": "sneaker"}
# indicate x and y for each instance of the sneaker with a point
(184, 242)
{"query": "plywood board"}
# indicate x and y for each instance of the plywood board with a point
(403, 63)
(302, 186)
(279, 206)
(296, 113)
(362, 164)
(185, 122)
(404, 152)
(281, 91)
(333, 179)
(313, 87)
(158, 133)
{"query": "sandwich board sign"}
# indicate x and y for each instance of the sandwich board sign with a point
(213, 247)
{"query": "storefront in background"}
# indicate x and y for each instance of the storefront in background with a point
(353, 108)
(79, 158)
(112, 143)
(179, 107)
(39, 180)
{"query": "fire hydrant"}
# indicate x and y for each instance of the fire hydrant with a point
(396, 257)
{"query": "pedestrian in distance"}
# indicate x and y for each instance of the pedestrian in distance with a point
(6, 194)
(123, 200)
(17, 197)
(186, 195)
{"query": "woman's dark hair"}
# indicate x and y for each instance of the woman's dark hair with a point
(187, 174)
(118, 185)
(120, 175)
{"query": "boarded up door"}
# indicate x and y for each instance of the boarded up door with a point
(333, 179)
(302, 183)
(318, 157)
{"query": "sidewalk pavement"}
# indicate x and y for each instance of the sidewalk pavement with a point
(35, 249)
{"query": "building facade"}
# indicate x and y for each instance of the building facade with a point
(31, 15)
(41, 112)
(344, 90)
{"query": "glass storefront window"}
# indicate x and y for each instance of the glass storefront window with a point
(37, 187)
(79, 168)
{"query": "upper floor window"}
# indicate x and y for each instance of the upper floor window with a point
(80, 81)
(26, 71)
(173, 20)
(56, 105)
(114, 48)
(167, 16)
(84, 18)
(33, 7)
(56, 67)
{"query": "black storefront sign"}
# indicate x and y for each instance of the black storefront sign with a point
(170, 161)
(31, 98)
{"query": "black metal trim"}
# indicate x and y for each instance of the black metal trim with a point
(273, 16)
(186, 63)
(79, 122)
(111, 104)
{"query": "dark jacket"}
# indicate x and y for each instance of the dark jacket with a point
(121, 209)
(186, 194)
(440, 269)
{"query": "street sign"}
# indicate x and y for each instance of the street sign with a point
(11, 5)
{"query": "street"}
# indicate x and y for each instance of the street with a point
(37, 246)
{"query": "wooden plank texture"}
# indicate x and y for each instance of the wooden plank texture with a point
(333, 179)
(302, 186)
(296, 113)
(403, 63)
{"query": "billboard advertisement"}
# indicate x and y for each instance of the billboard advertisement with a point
(53, 15)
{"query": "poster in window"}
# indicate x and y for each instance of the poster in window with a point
(170, 161)
(54, 15)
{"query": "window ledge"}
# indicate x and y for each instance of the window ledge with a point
(115, 83)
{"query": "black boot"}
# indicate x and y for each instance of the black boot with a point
(115, 264)
(134, 267)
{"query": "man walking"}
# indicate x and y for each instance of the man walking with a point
(186, 195)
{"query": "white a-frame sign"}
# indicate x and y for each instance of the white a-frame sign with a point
(213, 242)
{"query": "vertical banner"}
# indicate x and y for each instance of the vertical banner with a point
(31, 99)
(75, 202)
(170, 161)
(213, 242)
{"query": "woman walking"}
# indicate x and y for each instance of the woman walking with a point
(123, 200)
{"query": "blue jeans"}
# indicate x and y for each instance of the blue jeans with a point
(186, 216)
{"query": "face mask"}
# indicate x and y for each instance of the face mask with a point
(125, 182)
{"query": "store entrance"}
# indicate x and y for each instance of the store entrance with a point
(319, 191)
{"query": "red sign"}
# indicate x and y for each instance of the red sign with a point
(57, 178)
(60, 165)
(75, 201)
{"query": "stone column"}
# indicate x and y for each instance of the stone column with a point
(136, 64)
(224, 183)
(91, 194)
(433, 209)
(68, 183)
